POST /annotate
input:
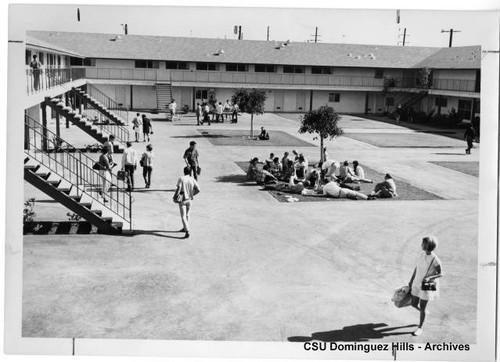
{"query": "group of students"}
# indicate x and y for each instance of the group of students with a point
(219, 110)
(147, 127)
(129, 163)
(328, 178)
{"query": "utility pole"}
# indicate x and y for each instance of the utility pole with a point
(404, 37)
(125, 28)
(451, 31)
(316, 36)
(268, 33)
(404, 42)
(237, 30)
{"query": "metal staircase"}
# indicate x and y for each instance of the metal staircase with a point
(93, 126)
(163, 95)
(68, 178)
(407, 98)
(102, 103)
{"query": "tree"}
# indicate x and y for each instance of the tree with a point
(252, 102)
(322, 121)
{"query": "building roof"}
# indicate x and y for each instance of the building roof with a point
(98, 45)
(35, 42)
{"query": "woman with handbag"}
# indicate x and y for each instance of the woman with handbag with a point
(423, 284)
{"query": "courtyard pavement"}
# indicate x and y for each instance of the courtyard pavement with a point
(255, 269)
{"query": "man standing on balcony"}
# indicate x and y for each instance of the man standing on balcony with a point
(129, 164)
(36, 67)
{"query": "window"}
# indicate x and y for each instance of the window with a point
(441, 102)
(201, 94)
(206, 66)
(379, 73)
(334, 97)
(233, 67)
(265, 68)
(28, 57)
(176, 65)
(87, 62)
(321, 70)
(148, 64)
(293, 69)
(389, 101)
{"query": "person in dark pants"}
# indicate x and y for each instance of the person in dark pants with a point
(147, 165)
(469, 136)
(206, 114)
(36, 67)
(199, 114)
(129, 164)
(191, 159)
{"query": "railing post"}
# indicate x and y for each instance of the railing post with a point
(44, 124)
(26, 132)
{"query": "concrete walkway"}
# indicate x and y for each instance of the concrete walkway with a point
(255, 269)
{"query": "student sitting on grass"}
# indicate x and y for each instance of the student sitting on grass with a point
(276, 168)
(346, 174)
(384, 189)
(329, 168)
(255, 173)
(360, 173)
(264, 135)
(301, 168)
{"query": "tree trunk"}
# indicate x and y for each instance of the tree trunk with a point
(251, 125)
(321, 150)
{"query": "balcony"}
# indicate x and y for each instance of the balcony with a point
(44, 79)
(274, 79)
(457, 85)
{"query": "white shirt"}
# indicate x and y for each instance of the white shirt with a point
(188, 185)
(332, 189)
(172, 106)
(129, 157)
(359, 172)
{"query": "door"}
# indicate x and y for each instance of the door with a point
(301, 101)
(201, 95)
(278, 101)
(121, 95)
(465, 109)
(185, 98)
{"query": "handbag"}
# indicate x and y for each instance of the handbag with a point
(97, 166)
(178, 197)
(431, 284)
(198, 170)
(142, 161)
(122, 175)
(402, 297)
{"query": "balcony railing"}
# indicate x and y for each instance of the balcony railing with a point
(459, 85)
(42, 79)
(47, 78)
(274, 78)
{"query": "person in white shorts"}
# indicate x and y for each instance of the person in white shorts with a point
(427, 268)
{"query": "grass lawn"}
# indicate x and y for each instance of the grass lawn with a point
(224, 137)
(405, 190)
(469, 168)
(406, 140)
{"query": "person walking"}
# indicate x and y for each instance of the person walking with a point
(105, 172)
(147, 127)
(469, 136)
(172, 107)
(427, 270)
(186, 189)
(219, 108)
(36, 68)
(129, 164)
(199, 114)
(191, 159)
(236, 109)
(137, 126)
(147, 165)
(206, 113)
(110, 143)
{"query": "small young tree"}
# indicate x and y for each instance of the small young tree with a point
(252, 102)
(323, 122)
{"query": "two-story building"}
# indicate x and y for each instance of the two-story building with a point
(145, 72)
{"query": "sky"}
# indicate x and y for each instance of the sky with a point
(298, 25)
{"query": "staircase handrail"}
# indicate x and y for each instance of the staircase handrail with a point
(107, 101)
(76, 168)
(121, 133)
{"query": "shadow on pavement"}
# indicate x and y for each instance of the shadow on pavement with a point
(449, 153)
(235, 178)
(160, 233)
(152, 190)
(354, 333)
